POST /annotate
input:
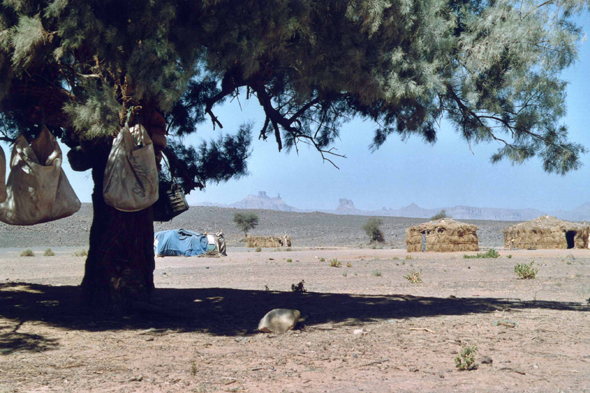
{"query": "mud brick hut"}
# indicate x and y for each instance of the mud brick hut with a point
(442, 235)
(546, 232)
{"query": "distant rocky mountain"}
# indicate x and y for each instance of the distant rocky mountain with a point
(580, 213)
(263, 201)
(347, 207)
(457, 212)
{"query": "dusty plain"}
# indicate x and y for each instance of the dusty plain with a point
(366, 327)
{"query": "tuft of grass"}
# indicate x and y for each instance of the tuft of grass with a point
(289, 260)
(466, 359)
(80, 253)
(49, 253)
(335, 263)
(409, 257)
(414, 277)
(376, 273)
(322, 259)
(348, 264)
(526, 272)
(509, 256)
(491, 253)
(258, 249)
(344, 274)
(27, 253)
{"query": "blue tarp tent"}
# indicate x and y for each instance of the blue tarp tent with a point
(179, 242)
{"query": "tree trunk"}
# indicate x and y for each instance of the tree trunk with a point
(120, 264)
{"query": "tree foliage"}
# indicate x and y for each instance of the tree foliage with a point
(373, 229)
(246, 221)
(490, 67)
(439, 216)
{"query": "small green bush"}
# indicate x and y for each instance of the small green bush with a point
(80, 253)
(289, 260)
(335, 263)
(376, 273)
(409, 257)
(49, 253)
(348, 264)
(509, 256)
(373, 229)
(258, 249)
(322, 259)
(414, 277)
(466, 359)
(526, 272)
(27, 253)
(491, 253)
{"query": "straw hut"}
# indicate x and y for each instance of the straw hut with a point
(546, 232)
(442, 235)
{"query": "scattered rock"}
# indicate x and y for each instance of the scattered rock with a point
(279, 320)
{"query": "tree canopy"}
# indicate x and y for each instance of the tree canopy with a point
(246, 221)
(490, 66)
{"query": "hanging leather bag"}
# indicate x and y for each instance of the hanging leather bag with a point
(131, 175)
(37, 188)
(172, 200)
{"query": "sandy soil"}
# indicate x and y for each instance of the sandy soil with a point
(366, 328)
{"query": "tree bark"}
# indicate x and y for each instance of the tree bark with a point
(120, 265)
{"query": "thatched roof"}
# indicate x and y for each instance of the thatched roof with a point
(545, 222)
(445, 223)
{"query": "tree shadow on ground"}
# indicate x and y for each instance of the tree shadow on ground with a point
(228, 311)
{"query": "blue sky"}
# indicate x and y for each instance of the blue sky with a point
(441, 175)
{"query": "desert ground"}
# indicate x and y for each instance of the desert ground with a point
(366, 327)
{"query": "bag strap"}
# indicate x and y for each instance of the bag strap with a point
(129, 113)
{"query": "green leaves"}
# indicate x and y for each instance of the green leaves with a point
(492, 69)
(27, 38)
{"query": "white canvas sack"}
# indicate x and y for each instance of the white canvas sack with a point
(2, 176)
(37, 188)
(131, 175)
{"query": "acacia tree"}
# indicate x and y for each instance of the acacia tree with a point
(78, 66)
(246, 221)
